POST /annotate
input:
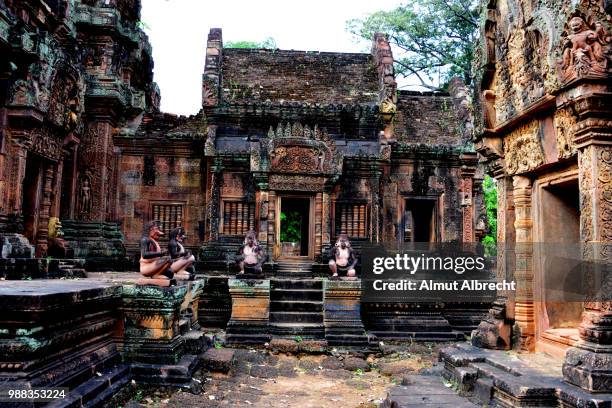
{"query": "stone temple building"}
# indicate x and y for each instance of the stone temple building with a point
(300, 147)
(543, 127)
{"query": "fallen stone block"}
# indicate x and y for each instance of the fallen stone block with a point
(221, 360)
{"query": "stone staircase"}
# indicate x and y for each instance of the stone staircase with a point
(296, 308)
(499, 378)
(293, 269)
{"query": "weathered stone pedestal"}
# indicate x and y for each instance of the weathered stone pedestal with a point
(589, 364)
(61, 334)
(342, 314)
(494, 332)
(250, 319)
(153, 343)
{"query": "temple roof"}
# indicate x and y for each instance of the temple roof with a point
(298, 76)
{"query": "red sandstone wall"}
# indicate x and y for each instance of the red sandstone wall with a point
(177, 180)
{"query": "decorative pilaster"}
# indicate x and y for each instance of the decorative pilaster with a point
(326, 220)
(495, 331)
(212, 210)
(589, 364)
(19, 169)
(43, 214)
(524, 309)
(250, 319)
(468, 170)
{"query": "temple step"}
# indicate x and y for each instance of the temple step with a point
(294, 269)
(296, 306)
(98, 390)
(296, 317)
(297, 294)
(297, 284)
(306, 330)
(419, 335)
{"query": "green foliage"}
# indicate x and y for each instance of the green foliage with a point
(218, 345)
(291, 226)
(436, 38)
(490, 199)
(269, 44)
(298, 339)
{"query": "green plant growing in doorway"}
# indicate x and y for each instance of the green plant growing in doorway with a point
(291, 226)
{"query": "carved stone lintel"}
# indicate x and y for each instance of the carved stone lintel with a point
(522, 149)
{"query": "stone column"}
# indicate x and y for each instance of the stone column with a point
(42, 234)
(495, 331)
(589, 364)
(524, 308)
(250, 319)
(375, 194)
(342, 314)
(318, 221)
(212, 211)
(96, 160)
(468, 170)
(326, 220)
(16, 183)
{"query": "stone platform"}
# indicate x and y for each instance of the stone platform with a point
(60, 334)
(95, 335)
(508, 379)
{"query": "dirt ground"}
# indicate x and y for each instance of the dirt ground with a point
(262, 378)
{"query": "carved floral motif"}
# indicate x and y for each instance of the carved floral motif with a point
(522, 149)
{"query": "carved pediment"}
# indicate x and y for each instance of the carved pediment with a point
(293, 148)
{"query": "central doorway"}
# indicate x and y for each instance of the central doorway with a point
(294, 230)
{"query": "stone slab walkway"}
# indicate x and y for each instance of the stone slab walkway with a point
(424, 392)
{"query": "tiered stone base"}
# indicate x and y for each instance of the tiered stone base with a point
(60, 334)
(157, 340)
(494, 378)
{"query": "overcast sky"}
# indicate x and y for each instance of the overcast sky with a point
(177, 30)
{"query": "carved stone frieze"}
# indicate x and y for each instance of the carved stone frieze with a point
(46, 146)
(522, 149)
(565, 122)
(296, 182)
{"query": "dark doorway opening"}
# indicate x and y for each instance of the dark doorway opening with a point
(31, 193)
(560, 224)
(295, 226)
(419, 221)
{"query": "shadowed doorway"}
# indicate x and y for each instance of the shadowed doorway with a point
(295, 226)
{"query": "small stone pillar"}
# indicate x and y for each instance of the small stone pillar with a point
(342, 313)
(250, 319)
(152, 340)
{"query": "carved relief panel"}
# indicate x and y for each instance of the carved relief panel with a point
(522, 149)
